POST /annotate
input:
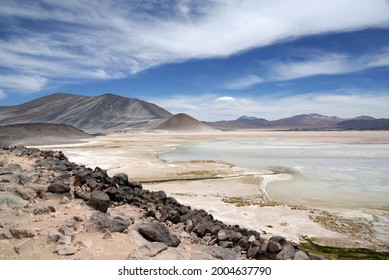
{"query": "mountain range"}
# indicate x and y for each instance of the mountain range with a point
(306, 122)
(95, 114)
(110, 113)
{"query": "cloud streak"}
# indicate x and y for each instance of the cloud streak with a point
(111, 39)
(326, 64)
(244, 82)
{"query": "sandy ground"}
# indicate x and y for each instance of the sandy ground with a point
(222, 184)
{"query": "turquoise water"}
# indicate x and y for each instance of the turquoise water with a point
(335, 175)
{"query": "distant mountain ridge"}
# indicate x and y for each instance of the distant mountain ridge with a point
(304, 122)
(107, 112)
(112, 113)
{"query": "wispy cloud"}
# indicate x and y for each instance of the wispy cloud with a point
(244, 82)
(22, 83)
(326, 64)
(111, 39)
(2, 94)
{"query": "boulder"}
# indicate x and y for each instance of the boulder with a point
(254, 249)
(120, 179)
(54, 235)
(66, 249)
(100, 176)
(26, 246)
(81, 195)
(25, 193)
(287, 253)
(81, 177)
(58, 187)
(263, 247)
(235, 236)
(22, 232)
(99, 200)
(225, 244)
(188, 225)
(10, 178)
(11, 169)
(6, 234)
(119, 223)
(222, 235)
(158, 232)
(65, 230)
(274, 246)
(10, 200)
(300, 255)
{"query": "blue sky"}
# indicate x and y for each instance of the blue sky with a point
(211, 59)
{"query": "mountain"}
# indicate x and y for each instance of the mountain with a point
(246, 118)
(306, 121)
(40, 134)
(184, 123)
(364, 124)
(241, 123)
(106, 112)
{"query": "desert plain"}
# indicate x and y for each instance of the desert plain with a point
(236, 194)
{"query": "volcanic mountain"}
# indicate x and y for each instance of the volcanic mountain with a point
(102, 113)
(305, 122)
(184, 123)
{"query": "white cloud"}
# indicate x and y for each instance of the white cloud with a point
(22, 83)
(2, 94)
(244, 82)
(232, 102)
(325, 64)
(111, 39)
(224, 100)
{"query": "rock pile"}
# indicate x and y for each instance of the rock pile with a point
(162, 214)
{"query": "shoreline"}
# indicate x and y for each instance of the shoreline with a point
(191, 174)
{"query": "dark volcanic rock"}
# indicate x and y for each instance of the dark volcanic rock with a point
(58, 187)
(116, 224)
(158, 232)
(254, 249)
(81, 177)
(81, 195)
(100, 176)
(121, 179)
(11, 169)
(287, 253)
(99, 200)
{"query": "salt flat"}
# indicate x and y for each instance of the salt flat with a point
(220, 187)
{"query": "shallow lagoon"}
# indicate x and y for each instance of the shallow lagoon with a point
(321, 175)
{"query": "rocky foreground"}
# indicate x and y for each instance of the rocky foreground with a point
(51, 208)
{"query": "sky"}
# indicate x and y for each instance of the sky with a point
(212, 59)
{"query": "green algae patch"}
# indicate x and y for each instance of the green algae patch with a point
(338, 253)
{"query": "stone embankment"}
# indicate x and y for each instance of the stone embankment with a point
(78, 209)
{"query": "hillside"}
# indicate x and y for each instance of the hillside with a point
(106, 112)
(40, 133)
(184, 123)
